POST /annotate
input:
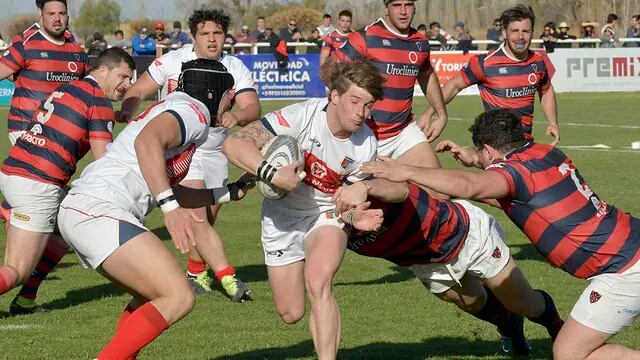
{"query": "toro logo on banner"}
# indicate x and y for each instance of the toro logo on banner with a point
(447, 65)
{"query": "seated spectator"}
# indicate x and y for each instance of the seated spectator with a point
(229, 39)
(244, 37)
(326, 27)
(422, 29)
(494, 33)
(97, 45)
(119, 40)
(465, 40)
(608, 38)
(260, 28)
(179, 38)
(316, 39)
(159, 36)
(548, 37)
(588, 29)
(435, 35)
(291, 34)
(564, 35)
(143, 44)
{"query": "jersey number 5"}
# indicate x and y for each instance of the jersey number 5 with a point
(48, 105)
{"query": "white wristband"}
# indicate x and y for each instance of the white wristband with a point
(221, 195)
(169, 206)
(165, 194)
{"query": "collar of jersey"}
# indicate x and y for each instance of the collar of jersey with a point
(501, 48)
(391, 30)
(341, 33)
(53, 41)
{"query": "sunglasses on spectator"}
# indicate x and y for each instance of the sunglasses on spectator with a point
(294, 24)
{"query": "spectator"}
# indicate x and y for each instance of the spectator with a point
(97, 45)
(244, 37)
(143, 44)
(120, 41)
(326, 27)
(588, 29)
(291, 34)
(316, 39)
(612, 22)
(494, 33)
(609, 39)
(229, 39)
(465, 40)
(436, 35)
(260, 28)
(159, 36)
(179, 38)
(633, 31)
(563, 34)
(422, 29)
(548, 37)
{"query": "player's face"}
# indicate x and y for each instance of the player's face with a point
(518, 36)
(54, 18)
(399, 14)
(344, 23)
(209, 40)
(353, 107)
(117, 81)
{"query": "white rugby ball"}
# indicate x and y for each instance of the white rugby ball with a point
(280, 151)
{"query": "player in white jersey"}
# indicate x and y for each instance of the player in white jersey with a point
(102, 217)
(209, 167)
(304, 241)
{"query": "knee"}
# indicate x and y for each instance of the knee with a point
(318, 287)
(182, 302)
(291, 316)
(469, 304)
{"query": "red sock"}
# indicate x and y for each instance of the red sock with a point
(195, 267)
(53, 253)
(143, 326)
(123, 319)
(229, 270)
(7, 279)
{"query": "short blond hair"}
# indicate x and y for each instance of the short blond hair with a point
(360, 73)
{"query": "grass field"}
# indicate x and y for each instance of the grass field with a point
(386, 313)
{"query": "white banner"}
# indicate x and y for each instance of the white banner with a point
(596, 70)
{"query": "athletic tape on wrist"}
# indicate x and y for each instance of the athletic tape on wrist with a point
(169, 205)
(266, 171)
(165, 196)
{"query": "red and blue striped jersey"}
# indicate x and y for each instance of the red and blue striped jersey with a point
(60, 132)
(32, 29)
(564, 219)
(40, 65)
(399, 58)
(505, 83)
(420, 230)
(335, 40)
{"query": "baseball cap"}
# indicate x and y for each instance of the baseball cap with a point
(159, 26)
(387, 2)
(459, 23)
(563, 25)
(244, 27)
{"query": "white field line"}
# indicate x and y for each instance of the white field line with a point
(579, 124)
(19, 327)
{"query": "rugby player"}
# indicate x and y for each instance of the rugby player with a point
(303, 240)
(542, 192)
(75, 118)
(40, 59)
(102, 216)
(510, 77)
(337, 38)
(209, 167)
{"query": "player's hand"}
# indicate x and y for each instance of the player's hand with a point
(466, 157)
(424, 119)
(552, 130)
(241, 187)
(288, 177)
(363, 218)
(179, 224)
(227, 120)
(350, 196)
(387, 168)
(435, 126)
(223, 117)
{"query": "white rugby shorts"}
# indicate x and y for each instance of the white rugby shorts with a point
(409, 137)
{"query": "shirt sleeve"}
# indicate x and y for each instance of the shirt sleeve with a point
(472, 72)
(160, 69)
(289, 120)
(13, 57)
(550, 70)
(426, 65)
(101, 119)
(355, 48)
(243, 79)
(194, 121)
(518, 180)
(371, 155)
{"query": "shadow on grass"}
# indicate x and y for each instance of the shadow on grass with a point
(400, 275)
(525, 252)
(448, 347)
(81, 296)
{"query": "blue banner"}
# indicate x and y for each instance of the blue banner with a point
(6, 92)
(300, 79)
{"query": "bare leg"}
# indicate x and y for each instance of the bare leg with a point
(287, 287)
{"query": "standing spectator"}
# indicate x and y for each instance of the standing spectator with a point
(260, 28)
(465, 40)
(609, 39)
(563, 34)
(244, 37)
(633, 31)
(435, 35)
(143, 44)
(612, 22)
(326, 27)
(97, 45)
(316, 39)
(495, 34)
(120, 41)
(548, 38)
(422, 28)
(159, 36)
(179, 38)
(336, 39)
(291, 34)
(588, 29)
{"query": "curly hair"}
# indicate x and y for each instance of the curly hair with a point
(40, 3)
(217, 16)
(501, 129)
(517, 13)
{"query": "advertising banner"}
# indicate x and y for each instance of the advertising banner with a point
(6, 92)
(447, 65)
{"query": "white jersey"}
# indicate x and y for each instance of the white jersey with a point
(165, 71)
(116, 177)
(329, 161)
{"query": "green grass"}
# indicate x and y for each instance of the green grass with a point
(386, 313)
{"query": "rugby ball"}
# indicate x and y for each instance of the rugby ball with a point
(280, 151)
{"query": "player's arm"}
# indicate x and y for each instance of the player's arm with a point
(428, 81)
(348, 197)
(550, 110)
(324, 54)
(198, 198)
(98, 147)
(144, 87)
(6, 72)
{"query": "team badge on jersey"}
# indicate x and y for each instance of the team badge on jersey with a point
(594, 296)
(346, 162)
(497, 254)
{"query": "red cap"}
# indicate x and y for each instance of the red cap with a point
(159, 25)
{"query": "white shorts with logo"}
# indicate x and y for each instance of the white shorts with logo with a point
(95, 228)
(611, 302)
(34, 204)
(14, 136)
(283, 235)
(483, 255)
(409, 137)
(210, 166)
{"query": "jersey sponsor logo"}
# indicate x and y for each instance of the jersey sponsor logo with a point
(320, 176)
(319, 170)
(532, 78)
(511, 93)
(32, 136)
(413, 57)
(201, 117)
(404, 70)
(178, 166)
(281, 120)
(594, 297)
(61, 77)
(362, 238)
(73, 67)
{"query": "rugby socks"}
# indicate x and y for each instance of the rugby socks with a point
(550, 318)
(229, 270)
(504, 319)
(195, 268)
(7, 279)
(142, 327)
(123, 319)
(53, 253)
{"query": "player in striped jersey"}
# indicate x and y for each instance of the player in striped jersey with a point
(338, 37)
(455, 248)
(510, 77)
(74, 119)
(401, 54)
(40, 62)
(542, 192)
